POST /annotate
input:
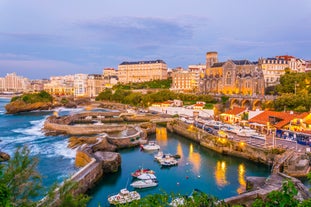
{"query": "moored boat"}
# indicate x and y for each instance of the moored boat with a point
(147, 176)
(168, 161)
(151, 146)
(144, 183)
(124, 196)
(142, 171)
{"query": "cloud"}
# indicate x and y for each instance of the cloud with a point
(43, 68)
(135, 30)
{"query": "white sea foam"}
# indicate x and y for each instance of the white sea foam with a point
(61, 149)
(34, 130)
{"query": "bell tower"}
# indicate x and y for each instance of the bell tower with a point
(211, 58)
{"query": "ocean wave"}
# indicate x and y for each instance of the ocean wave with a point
(61, 149)
(34, 130)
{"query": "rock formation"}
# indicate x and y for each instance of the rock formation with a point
(4, 157)
(20, 106)
(110, 161)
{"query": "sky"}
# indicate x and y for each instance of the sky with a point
(43, 38)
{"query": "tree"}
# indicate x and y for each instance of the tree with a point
(20, 184)
(22, 180)
(285, 197)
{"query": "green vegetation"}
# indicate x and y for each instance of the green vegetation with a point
(286, 197)
(139, 99)
(161, 84)
(198, 199)
(42, 96)
(21, 184)
(294, 92)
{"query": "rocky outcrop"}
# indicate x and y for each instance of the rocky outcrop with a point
(4, 157)
(110, 161)
(20, 106)
(82, 158)
(95, 143)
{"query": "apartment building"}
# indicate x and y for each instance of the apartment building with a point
(231, 77)
(110, 76)
(95, 85)
(60, 85)
(274, 68)
(184, 81)
(13, 83)
(141, 71)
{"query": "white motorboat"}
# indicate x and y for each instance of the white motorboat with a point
(144, 183)
(124, 196)
(159, 155)
(151, 146)
(168, 161)
(147, 176)
(141, 171)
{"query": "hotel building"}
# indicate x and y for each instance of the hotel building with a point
(13, 83)
(141, 71)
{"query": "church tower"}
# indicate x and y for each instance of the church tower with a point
(211, 58)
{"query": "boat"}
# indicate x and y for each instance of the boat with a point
(160, 156)
(124, 196)
(168, 161)
(144, 183)
(142, 171)
(151, 146)
(147, 176)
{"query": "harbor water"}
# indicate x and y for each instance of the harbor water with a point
(219, 175)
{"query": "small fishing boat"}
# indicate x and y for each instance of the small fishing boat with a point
(144, 183)
(151, 146)
(124, 196)
(142, 171)
(147, 176)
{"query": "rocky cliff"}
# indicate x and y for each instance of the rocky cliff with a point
(20, 106)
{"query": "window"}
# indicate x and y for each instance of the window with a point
(228, 78)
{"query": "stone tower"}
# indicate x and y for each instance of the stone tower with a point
(211, 58)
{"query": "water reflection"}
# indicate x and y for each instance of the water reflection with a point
(179, 150)
(241, 178)
(161, 135)
(220, 173)
(195, 159)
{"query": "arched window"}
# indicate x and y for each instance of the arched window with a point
(228, 78)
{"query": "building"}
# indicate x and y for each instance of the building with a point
(95, 85)
(13, 83)
(80, 85)
(60, 85)
(184, 81)
(141, 71)
(274, 68)
(110, 77)
(231, 77)
(38, 85)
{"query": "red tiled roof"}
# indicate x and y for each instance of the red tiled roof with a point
(235, 111)
(198, 105)
(285, 117)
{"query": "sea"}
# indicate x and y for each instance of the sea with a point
(198, 168)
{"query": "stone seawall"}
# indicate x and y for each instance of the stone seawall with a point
(221, 145)
(82, 129)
